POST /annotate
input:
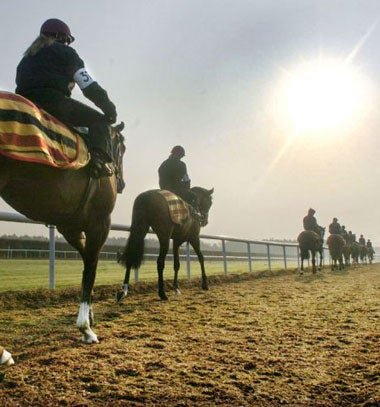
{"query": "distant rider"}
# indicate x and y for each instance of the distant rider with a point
(173, 177)
(310, 222)
(334, 227)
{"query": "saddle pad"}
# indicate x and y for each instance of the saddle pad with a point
(179, 211)
(28, 133)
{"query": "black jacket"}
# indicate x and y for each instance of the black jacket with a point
(51, 67)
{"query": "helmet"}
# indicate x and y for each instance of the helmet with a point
(335, 219)
(311, 211)
(178, 151)
(58, 29)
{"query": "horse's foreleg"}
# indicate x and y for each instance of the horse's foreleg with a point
(314, 268)
(164, 247)
(176, 266)
(5, 357)
(196, 246)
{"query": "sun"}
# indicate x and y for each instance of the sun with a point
(323, 95)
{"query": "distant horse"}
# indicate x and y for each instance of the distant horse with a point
(370, 253)
(310, 241)
(363, 253)
(347, 253)
(336, 245)
(77, 204)
(150, 209)
(355, 252)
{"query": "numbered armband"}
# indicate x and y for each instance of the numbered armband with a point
(83, 78)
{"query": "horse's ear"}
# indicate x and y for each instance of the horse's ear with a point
(210, 191)
(120, 127)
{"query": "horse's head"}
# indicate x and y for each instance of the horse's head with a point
(118, 150)
(204, 198)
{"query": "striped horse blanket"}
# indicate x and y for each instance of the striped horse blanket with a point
(28, 133)
(178, 208)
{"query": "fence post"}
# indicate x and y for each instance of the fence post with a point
(188, 259)
(51, 257)
(284, 250)
(224, 256)
(268, 257)
(249, 257)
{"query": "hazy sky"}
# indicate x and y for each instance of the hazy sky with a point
(275, 102)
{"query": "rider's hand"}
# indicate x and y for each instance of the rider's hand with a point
(109, 111)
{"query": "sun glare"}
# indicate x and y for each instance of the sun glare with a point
(323, 96)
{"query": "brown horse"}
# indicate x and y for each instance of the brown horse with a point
(77, 204)
(150, 209)
(336, 245)
(310, 241)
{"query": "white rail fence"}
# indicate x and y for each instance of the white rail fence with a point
(228, 250)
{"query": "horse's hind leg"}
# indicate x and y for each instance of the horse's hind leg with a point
(123, 293)
(164, 247)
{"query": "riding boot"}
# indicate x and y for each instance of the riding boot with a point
(100, 165)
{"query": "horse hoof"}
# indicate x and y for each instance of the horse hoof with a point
(6, 359)
(90, 337)
(120, 296)
(164, 298)
(177, 291)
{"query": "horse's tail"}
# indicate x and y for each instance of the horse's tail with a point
(133, 254)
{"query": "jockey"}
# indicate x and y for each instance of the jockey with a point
(344, 233)
(334, 227)
(46, 75)
(369, 246)
(310, 222)
(173, 177)
(361, 240)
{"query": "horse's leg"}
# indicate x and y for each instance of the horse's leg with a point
(89, 248)
(314, 268)
(123, 293)
(177, 266)
(320, 259)
(197, 248)
(164, 247)
(5, 357)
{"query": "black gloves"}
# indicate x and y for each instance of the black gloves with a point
(99, 97)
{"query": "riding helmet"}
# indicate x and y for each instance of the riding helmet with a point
(56, 28)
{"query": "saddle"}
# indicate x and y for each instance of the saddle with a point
(178, 208)
(28, 133)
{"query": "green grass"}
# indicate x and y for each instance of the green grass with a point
(26, 274)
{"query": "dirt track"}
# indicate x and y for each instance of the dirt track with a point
(279, 340)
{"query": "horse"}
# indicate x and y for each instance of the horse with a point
(363, 252)
(310, 241)
(371, 253)
(336, 245)
(355, 252)
(77, 204)
(150, 209)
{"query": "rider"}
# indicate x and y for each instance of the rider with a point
(334, 227)
(344, 233)
(310, 222)
(361, 240)
(173, 177)
(369, 245)
(46, 75)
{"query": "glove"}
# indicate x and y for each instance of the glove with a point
(99, 97)
(109, 111)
